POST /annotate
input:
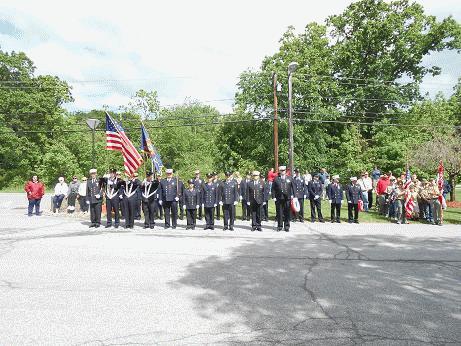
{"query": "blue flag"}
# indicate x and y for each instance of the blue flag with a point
(148, 148)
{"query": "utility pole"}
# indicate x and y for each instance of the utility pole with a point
(291, 68)
(276, 124)
(92, 124)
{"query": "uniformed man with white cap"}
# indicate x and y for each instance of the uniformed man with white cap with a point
(112, 189)
(255, 193)
(335, 196)
(169, 198)
(282, 194)
(149, 188)
(209, 200)
(228, 199)
(315, 190)
(130, 198)
(94, 191)
(353, 195)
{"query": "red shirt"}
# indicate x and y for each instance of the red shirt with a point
(271, 176)
(382, 185)
(34, 190)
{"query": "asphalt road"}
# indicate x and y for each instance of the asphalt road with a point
(321, 284)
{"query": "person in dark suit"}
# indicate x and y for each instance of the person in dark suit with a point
(255, 193)
(267, 196)
(94, 191)
(209, 200)
(130, 198)
(228, 199)
(198, 183)
(353, 195)
(157, 206)
(112, 189)
(300, 193)
(137, 214)
(191, 203)
(149, 190)
(335, 196)
(169, 198)
(315, 189)
(282, 194)
(181, 189)
(244, 197)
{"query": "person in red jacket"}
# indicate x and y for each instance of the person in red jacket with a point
(271, 175)
(35, 191)
(381, 188)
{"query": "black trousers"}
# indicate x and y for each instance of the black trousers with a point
(158, 210)
(316, 204)
(335, 211)
(200, 212)
(95, 213)
(171, 213)
(229, 215)
(255, 210)
(181, 211)
(355, 208)
(283, 213)
(218, 212)
(265, 212)
(82, 202)
(245, 210)
(113, 204)
(148, 208)
(209, 217)
(130, 210)
(123, 208)
(138, 206)
(370, 199)
(191, 216)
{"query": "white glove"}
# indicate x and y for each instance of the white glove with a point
(87, 202)
(220, 203)
(316, 197)
(97, 196)
(248, 203)
(240, 197)
(330, 201)
(264, 203)
(235, 203)
(275, 199)
(160, 202)
(184, 206)
(197, 206)
(203, 205)
(176, 199)
(121, 197)
(349, 202)
(305, 196)
(341, 201)
(215, 205)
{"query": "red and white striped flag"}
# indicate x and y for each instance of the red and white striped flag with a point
(440, 182)
(409, 200)
(116, 139)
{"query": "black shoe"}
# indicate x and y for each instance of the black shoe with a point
(302, 221)
(349, 221)
(192, 228)
(166, 227)
(174, 227)
(260, 230)
(333, 221)
(152, 226)
(232, 228)
(116, 226)
(279, 229)
(253, 229)
(312, 220)
(287, 230)
(356, 221)
(97, 225)
(108, 226)
(212, 228)
(92, 225)
(225, 228)
(338, 221)
(322, 221)
(146, 226)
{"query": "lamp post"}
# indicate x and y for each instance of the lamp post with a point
(92, 124)
(291, 68)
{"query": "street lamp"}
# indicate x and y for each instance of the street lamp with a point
(291, 68)
(92, 124)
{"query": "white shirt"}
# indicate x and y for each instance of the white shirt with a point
(61, 189)
(82, 189)
(365, 184)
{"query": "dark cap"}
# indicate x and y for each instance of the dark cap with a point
(214, 173)
(228, 174)
(149, 173)
(297, 170)
(209, 175)
(112, 170)
(191, 181)
(317, 175)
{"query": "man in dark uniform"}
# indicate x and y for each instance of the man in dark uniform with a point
(169, 198)
(131, 200)
(267, 196)
(190, 202)
(217, 182)
(353, 195)
(300, 193)
(121, 204)
(244, 197)
(209, 200)
(335, 196)
(94, 192)
(149, 189)
(198, 183)
(181, 189)
(157, 206)
(315, 189)
(282, 194)
(137, 215)
(228, 199)
(255, 192)
(112, 187)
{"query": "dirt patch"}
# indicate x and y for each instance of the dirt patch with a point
(455, 204)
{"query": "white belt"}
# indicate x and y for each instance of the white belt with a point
(145, 195)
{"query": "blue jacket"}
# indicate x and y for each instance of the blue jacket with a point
(335, 193)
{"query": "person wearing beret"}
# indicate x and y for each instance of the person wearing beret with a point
(228, 199)
(255, 193)
(190, 203)
(353, 196)
(112, 189)
(169, 197)
(130, 196)
(94, 192)
(282, 194)
(209, 199)
(148, 190)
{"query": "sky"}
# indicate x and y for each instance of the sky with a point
(185, 50)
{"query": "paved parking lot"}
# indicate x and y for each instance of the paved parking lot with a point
(322, 284)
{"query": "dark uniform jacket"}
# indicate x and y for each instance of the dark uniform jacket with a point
(198, 184)
(131, 188)
(335, 193)
(300, 187)
(228, 193)
(149, 190)
(283, 189)
(169, 190)
(93, 189)
(191, 199)
(255, 191)
(112, 187)
(353, 193)
(267, 191)
(315, 188)
(210, 195)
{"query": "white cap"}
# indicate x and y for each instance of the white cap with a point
(336, 176)
(61, 178)
(256, 173)
(197, 171)
(353, 178)
(93, 170)
(282, 168)
(169, 170)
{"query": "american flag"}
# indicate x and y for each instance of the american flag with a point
(440, 181)
(409, 200)
(116, 139)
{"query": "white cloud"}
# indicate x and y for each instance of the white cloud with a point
(182, 49)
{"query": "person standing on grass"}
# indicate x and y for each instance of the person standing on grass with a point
(335, 196)
(353, 195)
(367, 186)
(35, 191)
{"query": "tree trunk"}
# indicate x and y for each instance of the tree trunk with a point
(452, 181)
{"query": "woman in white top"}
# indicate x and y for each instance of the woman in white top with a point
(81, 196)
(60, 192)
(366, 185)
